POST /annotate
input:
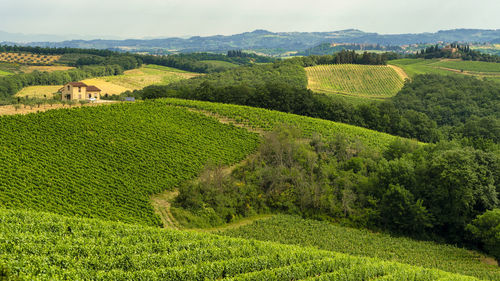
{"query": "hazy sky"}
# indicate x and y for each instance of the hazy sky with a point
(165, 18)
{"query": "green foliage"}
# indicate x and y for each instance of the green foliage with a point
(359, 242)
(41, 246)
(486, 228)
(106, 161)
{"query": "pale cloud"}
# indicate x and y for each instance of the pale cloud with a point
(141, 18)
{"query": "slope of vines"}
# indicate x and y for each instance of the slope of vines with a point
(106, 161)
(41, 246)
(269, 119)
(327, 236)
(375, 81)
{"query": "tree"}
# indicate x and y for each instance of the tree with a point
(486, 228)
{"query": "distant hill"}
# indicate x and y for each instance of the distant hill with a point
(275, 42)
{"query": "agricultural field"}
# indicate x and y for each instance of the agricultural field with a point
(42, 246)
(369, 81)
(263, 119)
(327, 236)
(38, 91)
(106, 161)
(5, 73)
(113, 85)
(28, 58)
(479, 69)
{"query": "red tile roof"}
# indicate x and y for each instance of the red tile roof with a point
(77, 84)
(93, 89)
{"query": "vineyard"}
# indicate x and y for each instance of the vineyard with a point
(105, 162)
(268, 120)
(28, 58)
(372, 81)
(327, 236)
(41, 246)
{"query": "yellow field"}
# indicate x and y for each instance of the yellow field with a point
(38, 91)
(41, 68)
(112, 85)
(28, 58)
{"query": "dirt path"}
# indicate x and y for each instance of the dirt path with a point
(161, 203)
(234, 225)
(11, 110)
(399, 71)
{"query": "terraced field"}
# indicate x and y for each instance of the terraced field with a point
(41, 246)
(106, 161)
(371, 81)
(28, 58)
(326, 236)
(479, 69)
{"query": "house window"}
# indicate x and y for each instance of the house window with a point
(68, 87)
(79, 89)
(90, 95)
(95, 96)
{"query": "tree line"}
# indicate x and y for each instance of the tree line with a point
(463, 52)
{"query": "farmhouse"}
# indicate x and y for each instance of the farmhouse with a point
(80, 91)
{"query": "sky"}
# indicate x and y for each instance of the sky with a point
(168, 18)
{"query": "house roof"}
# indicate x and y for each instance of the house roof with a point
(93, 89)
(77, 84)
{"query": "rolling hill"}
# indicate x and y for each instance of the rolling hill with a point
(114, 85)
(479, 69)
(42, 246)
(106, 161)
(332, 237)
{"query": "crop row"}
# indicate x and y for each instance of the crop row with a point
(42, 246)
(370, 80)
(324, 235)
(267, 120)
(106, 162)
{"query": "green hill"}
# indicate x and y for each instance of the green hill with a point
(372, 81)
(268, 120)
(479, 69)
(331, 237)
(106, 161)
(41, 246)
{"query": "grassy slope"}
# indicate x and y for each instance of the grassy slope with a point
(5, 73)
(372, 81)
(327, 236)
(41, 246)
(269, 119)
(131, 80)
(435, 66)
(106, 161)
